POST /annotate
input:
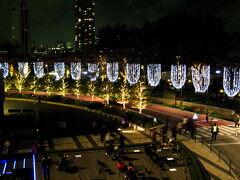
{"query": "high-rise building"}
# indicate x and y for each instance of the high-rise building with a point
(84, 24)
(20, 26)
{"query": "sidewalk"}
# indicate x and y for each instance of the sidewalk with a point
(215, 167)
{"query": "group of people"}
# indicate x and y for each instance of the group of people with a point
(129, 170)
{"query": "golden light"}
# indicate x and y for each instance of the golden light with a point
(221, 91)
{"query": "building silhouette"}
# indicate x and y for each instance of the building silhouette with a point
(84, 24)
(20, 27)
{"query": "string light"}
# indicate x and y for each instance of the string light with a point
(59, 69)
(153, 74)
(178, 75)
(76, 70)
(201, 78)
(231, 81)
(112, 71)
(38, 69)
(4, 66)
(133, 73)
(23, 68)
(93, 68)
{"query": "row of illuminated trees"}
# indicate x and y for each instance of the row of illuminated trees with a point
(120, 91)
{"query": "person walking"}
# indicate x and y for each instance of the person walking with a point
(192, 129)
(46, 165)
(207, 118)
(214, 131)
(122, 140)
(174, 133)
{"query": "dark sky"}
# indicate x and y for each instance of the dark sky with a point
(53, 20)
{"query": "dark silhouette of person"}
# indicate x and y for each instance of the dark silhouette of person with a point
(214, 131)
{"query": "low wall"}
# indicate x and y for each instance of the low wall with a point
(223, 111)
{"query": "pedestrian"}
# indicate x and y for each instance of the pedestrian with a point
(174, 133)
(179, 127)
(207, 113)
(237, 120)
(46, 165)
(192, 129)
(214, 131)
(122, 140)
(6, 147)
(188, 125)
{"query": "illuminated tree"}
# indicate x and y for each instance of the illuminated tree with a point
(76, 89)
(19, 79)
(102, 64)
(124, 89)
(107, 91)
(7, 83)
(48, 83)
(63, 86)
(140, 98)
(34, 84)
(91, 89)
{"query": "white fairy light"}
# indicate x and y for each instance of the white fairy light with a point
(93, 69)
(112, 71)
(38, 68)
(23, 68)
(76, 70)
(201, 78)
(59, 69)
(231, 81)
(178, 75)
(4, 66)
(133, 73)
(153, 74)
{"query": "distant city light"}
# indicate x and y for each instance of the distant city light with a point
(217, 71)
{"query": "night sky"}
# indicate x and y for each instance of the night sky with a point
(53, 20)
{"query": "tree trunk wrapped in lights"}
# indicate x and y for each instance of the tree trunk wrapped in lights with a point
(63, 86)
(38, 68)
(107, 92)
(102, 64)
(153, 74)
(124, 89)
(231, 81)
(48, 83)
(200, 77)
(59, 69)
(178, 75)
(34, 85)
(91, 89)
(94, 70)
(23, 69)
(76, 70)
(140, 98)
(4, 66)
(77, 87)
(112, 71)
(133, 73)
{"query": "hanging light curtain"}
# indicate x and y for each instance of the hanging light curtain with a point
(153, 74)
(76, 70)
(23, 68)
(133, 73)
(201, 78)
(4, 66)
(231, 81)
(112, 71)
(178, 75)
(38, 68)
(93, 68)
(59, 69)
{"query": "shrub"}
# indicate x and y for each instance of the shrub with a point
(95, 105)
